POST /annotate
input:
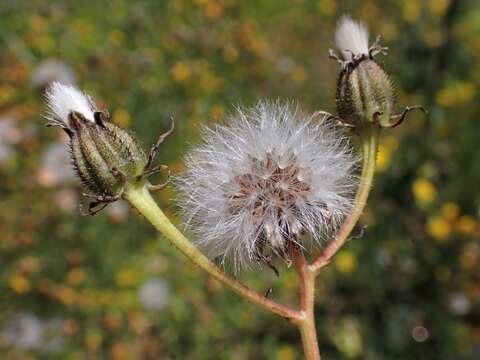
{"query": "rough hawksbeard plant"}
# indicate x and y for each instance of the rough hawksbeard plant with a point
(271, 186)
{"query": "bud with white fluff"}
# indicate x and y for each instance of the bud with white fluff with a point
(265, 182)
(63, 100)
(365, 93)
(105, 157)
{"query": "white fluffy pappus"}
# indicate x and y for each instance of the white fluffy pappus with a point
(271, 177)
(351, 37)
(63, 99)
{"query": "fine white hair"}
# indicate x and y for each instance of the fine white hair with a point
(229, 194)
(63, 99)
(351, 37)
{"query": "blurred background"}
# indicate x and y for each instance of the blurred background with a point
(109, 287)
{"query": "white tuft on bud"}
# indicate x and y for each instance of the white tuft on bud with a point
(351, 37)
(63, 99)
(258, 185)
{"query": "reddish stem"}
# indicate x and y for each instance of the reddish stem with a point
(306, 324)
(370, 145)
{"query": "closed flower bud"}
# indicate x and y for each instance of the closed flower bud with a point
(105, 157)
(365, 92)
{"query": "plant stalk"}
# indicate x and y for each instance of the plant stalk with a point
(369, 138)
(306, 324)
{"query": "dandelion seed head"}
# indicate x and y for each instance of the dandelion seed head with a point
(63, 99)
(351, 37)
(258, 184)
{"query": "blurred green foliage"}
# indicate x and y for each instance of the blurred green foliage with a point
(409, 289)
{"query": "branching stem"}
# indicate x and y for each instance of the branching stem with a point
(139, 197)
(306, 324)
(307, 273)
(304, 318)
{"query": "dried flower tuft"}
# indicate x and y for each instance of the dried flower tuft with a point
(62, 100)
(351, 38)
(258, 185)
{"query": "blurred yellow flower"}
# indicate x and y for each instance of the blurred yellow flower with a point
(70, 327)
(424, 191)
(346, 262)
(450, 211)
(213, 10)
(433, 38)
(138, 323)
(84, 31)
(386, 148)
(252, 40)
(83, 300)
(230, 53)
(299, 74)
(43, 42)
(327, 6)
(127, 278)
(456, 94)
(180, 71)
(388, 30)
(66, 295)
(28, 265)
(120, 351)
(121, 117)
(217, 112)
(116, 37)
(20, 284)
(210, 82)
(37, 23)
(285, 353)
(369, 11)
(93, 340)
(76, 276)
(412, 10)
(467, 225)
(438, 228)
(7, 92)
(468, 258)
(438, 7)
(112, 321)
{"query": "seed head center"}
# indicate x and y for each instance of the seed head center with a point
(268, 184)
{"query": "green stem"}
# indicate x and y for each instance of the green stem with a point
(369, 138)
(139, 197)
(306, 324)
